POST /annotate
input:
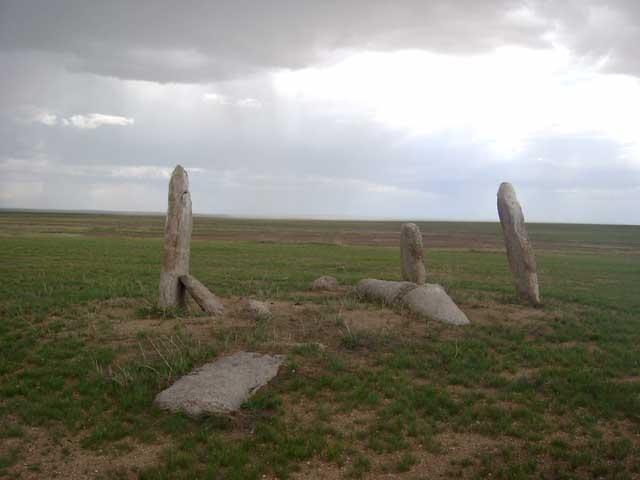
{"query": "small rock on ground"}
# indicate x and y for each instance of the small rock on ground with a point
(325, 283)
(256, 309)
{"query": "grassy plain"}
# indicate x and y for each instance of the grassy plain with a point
(367, 392)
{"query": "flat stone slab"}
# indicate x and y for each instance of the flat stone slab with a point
(221, 386)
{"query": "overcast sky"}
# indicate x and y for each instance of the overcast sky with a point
(333, 108)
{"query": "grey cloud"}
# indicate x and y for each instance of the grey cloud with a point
(598, 30)
(202, 41)
(286, 158)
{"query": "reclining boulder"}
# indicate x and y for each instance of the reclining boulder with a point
(428, 300)
(383, 290)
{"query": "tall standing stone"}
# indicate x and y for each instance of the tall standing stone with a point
(177, 241)
(411, 254)
(519, 251)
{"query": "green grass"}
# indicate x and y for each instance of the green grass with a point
(552, 396)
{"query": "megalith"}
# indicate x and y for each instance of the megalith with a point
(411, 254)
(522, 261)
(177, 241)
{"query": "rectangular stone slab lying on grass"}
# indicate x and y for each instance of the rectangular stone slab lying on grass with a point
(221, 386)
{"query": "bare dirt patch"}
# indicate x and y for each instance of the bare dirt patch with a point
(43, 456)
(453, 447)
(321, 319)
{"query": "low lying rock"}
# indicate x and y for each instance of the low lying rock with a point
(207, 301)
(325, 283)
(386, 291)
(428, 300)
(221, 386)
(256, 309)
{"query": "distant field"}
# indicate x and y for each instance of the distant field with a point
(367, 392)
(471, 235)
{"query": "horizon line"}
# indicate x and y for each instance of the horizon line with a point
(308, 218)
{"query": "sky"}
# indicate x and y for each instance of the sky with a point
(376, 109)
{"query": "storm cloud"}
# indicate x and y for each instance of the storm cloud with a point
(373, 109)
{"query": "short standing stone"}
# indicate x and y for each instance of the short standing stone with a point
(207, 301)
(519, 251)
(177, 241)
(221, 386)
(256, 309)
(326, 283)
(411, 254)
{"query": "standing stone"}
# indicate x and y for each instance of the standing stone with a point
(411, 253)
(389, 292)
(519, 252)
(177, 241)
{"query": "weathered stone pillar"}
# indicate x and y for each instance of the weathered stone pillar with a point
(519, 251)
(411, 254)
(177, 241)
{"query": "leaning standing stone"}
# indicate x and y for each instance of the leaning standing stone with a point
(207, 301)
(177, 240)
(519, 251)
(411, 253)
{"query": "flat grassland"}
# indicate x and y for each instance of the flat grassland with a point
(367, 391)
